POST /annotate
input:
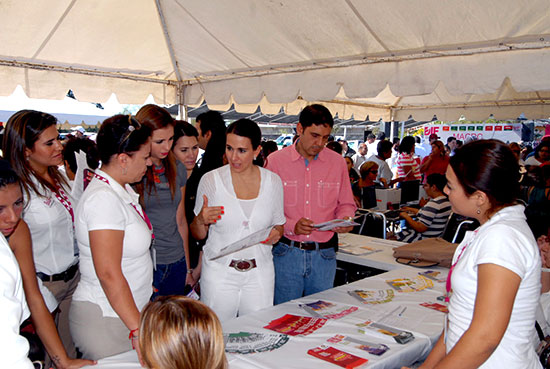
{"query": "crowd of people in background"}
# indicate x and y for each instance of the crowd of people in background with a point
(103, 233)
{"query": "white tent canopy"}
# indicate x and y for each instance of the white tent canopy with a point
(386, 59)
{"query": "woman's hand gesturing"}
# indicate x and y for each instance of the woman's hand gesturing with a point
(209, 214)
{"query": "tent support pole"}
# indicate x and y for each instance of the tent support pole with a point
(182, 109)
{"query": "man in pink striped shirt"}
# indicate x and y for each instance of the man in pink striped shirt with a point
(316, 189)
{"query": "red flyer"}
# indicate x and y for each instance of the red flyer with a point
(435, 306)
(340, 358)
(295, 325)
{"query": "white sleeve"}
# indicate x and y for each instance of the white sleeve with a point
(13, 347)
(278, 200)
(104, 210)
(207, 186)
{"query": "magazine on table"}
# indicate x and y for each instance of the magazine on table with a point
(327, 310)
(360, 344)
(373, 296)
(338, 357)
(295, 325)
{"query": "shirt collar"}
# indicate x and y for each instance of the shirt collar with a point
(295, 155)
(514, 212)
(127, 193)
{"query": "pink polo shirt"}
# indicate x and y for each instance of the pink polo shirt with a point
(320, 192)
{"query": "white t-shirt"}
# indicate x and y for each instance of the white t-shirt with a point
(507, 241)
(384, 170)
(13, 311)
(109, 206)
(532, 161)
(51, 227)
(373, 148)
(358, 160)
(234, 225)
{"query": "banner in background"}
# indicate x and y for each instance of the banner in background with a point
(503, 131)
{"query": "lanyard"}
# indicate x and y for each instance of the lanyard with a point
(141, 214)
(65, 201)
(448, 282)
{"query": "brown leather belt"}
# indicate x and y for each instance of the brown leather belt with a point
(243, 265)
(309, 246)
(63, 276)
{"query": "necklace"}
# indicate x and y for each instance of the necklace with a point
(157, 172)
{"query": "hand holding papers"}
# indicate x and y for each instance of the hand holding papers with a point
(248, 241)
(335, 223)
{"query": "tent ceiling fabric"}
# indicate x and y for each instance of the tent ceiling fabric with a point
(386, 59)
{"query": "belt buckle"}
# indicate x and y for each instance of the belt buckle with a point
(243, 268)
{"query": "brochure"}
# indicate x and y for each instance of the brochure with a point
(249, 343)
(334, 223)
(295, 325)
(246, 242)
(327, 310)
(372, 348)
(355, 250)
(410, 285)
(435, 306)
(373, 296)
(434, 276)
(340, 358)
(398, 335)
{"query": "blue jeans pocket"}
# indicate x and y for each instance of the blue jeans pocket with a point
(280, 249)
(328, 254)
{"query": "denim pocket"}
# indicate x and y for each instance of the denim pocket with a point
(280, 249)
(328, 254)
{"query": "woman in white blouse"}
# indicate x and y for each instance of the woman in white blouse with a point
(493, 286)
(31, 146)
(114, 237)
(233, 202)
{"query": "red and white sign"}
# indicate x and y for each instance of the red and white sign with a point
(504, 132)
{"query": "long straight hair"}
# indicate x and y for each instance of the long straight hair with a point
(22, 131)
(155, 117)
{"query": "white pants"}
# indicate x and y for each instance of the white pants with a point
(230, 293)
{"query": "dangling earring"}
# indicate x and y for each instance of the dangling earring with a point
(478, 211)
(123, 171)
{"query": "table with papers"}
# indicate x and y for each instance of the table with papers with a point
(402, 310)
(370, 252)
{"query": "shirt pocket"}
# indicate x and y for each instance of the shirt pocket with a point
(290, 193)
(327, 193)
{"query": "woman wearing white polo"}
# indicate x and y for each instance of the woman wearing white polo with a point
(114, 236)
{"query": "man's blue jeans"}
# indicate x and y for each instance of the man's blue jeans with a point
(300, 273)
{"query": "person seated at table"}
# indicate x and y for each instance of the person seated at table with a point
(364, 192)
(432, 217)
(179, 332)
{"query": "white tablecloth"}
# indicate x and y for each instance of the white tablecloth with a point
(383, 259)
(426, 325)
